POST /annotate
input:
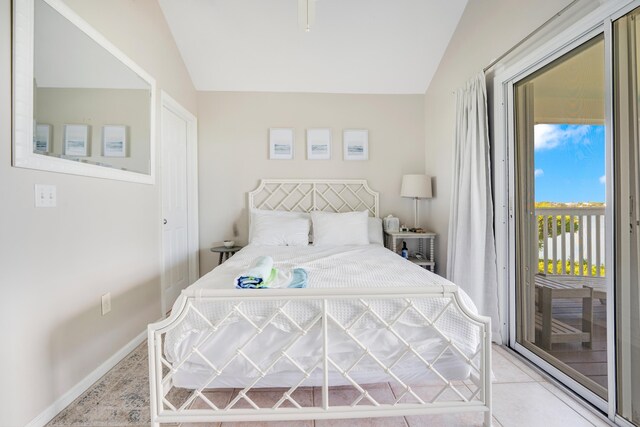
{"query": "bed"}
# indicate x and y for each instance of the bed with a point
(367, 316)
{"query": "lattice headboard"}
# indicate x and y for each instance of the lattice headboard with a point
(306, 195)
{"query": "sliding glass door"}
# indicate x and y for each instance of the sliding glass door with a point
(560, 196)
(575, 227)
(626, 73)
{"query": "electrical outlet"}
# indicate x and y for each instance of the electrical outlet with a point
(106, 303)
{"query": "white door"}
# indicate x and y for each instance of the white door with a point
(175, 235)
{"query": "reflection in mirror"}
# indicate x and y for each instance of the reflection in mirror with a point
(88, 106)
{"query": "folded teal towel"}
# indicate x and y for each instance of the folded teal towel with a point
(299, 278)
(259, 273)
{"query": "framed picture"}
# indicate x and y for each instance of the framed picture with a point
(318, 144)
(76, 140)
(42, 138)
(114, 141)
(280, 144)
(356, 144)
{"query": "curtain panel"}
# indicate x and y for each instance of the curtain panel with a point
(471, 255)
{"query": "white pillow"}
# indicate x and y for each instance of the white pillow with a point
(276, 230)
(256, 215)
(338, 229)
(375, 231)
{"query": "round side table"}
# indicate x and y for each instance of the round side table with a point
(225, 252)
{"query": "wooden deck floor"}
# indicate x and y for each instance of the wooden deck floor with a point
(591, 362)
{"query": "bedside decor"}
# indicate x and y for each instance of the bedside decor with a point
(391, 223)
(318, 144)
(114, 141)
(356, 144)
(416, 187)
(76, 140)
(280, 144)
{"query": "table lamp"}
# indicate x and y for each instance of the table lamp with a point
(416, 187)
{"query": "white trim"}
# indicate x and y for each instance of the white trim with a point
(84, 384)
(619, 421)
(193, 244)
(22, 135)
(609, 219)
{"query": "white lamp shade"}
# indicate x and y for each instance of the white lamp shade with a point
(416, 186)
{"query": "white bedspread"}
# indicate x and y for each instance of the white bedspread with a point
(328, 267)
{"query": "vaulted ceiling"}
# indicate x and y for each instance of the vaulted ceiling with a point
(354, 46)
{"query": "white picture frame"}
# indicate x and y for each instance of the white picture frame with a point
(318, 144)
(114, 141)
(356, 144)
(42, 138)
(76, 140)
(281, 144)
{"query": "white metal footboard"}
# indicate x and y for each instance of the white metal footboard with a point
(389, 309)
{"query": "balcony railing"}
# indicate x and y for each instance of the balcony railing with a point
(571, 241)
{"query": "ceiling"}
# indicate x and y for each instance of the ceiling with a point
(354, 46)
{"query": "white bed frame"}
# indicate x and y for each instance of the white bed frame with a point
(472, 395)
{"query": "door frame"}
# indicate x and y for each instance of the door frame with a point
(193, 245)
(596, 22)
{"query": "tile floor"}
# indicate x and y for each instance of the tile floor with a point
(521, 396)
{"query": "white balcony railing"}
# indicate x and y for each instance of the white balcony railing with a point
(571, 241)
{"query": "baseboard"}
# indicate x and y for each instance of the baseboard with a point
(71, 395)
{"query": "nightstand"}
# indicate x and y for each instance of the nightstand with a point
(426, 240)
(225, 252)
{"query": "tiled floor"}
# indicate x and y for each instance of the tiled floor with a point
(521, 397)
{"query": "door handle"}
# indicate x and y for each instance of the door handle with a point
(164, 221)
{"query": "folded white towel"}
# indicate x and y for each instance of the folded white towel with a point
(260, 267)
(258, 272)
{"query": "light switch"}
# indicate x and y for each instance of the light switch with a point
(45, 196)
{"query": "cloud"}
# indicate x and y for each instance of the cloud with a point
(538, 172)
(547, 137)
(603, 179)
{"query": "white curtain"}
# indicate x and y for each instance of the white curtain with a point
(471, 255)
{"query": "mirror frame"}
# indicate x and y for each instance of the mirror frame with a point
(22, 99)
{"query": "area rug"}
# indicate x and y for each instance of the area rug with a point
(120, 398)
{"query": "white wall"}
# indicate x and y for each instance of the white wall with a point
(103, 236)
(486, 30)
(233, 150)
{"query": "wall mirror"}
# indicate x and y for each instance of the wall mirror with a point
(80, 106)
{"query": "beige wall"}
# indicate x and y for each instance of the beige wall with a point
(233, 150)
(486, 30)
(96, 108)
(103, 236)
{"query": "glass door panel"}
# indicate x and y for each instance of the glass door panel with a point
(560, 227)
(626, 49)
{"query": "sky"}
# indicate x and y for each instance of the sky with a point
(569, 163)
